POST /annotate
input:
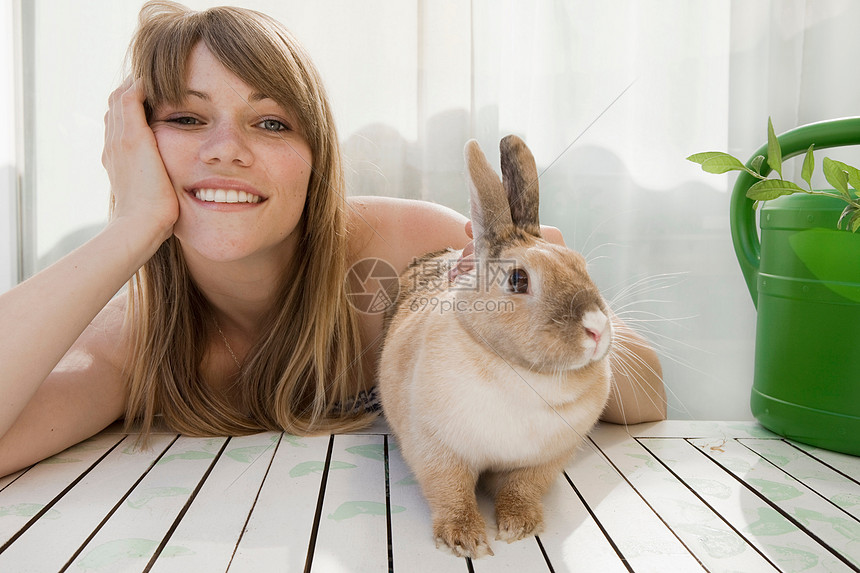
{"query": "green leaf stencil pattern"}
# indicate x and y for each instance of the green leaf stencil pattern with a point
(717, 542)
(350, 509)
(248, 454)
(59, 459)
(306, 468)
(108, 555)
(847, 528)
(408, 480)
(294, 441)
(89, 445)
(846, 500)
(192, 455)
(790, 559)
(775, 491)
(369, 451)
(145, 496)
(711, 487)
(28, 510)
(770, 522)
(649, 461)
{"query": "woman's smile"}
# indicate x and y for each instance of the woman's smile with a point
(240, 169)
(226, 195)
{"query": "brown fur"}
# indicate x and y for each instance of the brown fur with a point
(505, 398)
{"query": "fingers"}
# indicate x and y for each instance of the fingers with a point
(140, 185)
(552, 234)
(467, 259)
(125, 119)
(466, 262)
(113, 119)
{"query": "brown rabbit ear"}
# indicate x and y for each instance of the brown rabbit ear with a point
(519, 174)
(491, 215)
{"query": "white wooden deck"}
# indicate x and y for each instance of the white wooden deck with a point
(671, 496)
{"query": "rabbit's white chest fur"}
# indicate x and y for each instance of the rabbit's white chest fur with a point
(492, 413)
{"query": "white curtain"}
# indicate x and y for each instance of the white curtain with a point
(611, 96)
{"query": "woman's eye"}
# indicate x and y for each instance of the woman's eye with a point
(185, 120)
(518, 281)
(273, 125)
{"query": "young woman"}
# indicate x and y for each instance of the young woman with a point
(231, 226)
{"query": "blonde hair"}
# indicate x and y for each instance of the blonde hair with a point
(303, 372)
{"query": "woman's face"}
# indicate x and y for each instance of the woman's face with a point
(239, 167)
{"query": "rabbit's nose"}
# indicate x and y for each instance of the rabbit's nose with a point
(595, 323)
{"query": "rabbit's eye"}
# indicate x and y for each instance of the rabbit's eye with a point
(518, 280)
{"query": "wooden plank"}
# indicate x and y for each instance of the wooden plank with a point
(827, 482)
(49, 543)
(572, 539)
(698, 429)
(229, 492)
(352, 534)
(7, 479)
(849, 466)
(827, 522)
(278, 531)
(413, 547)
(719, 547)
(638, 533)
(779, 540)
(28, 496)
(133, 533)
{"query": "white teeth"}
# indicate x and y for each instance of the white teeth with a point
(226, 196)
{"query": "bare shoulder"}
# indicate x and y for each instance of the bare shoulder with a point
(399, 230)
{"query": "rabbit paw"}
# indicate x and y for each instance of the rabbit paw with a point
(525, 521)
(464, 537)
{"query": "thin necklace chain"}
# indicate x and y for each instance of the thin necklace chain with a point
(227, 344)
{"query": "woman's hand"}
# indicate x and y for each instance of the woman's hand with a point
(140, 187)
(467, 260)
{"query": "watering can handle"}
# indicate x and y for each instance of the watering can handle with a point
(825, 134)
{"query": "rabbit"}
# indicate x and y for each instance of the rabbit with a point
(499, 373)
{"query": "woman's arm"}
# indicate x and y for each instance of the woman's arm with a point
(42, 318)
(400, 230)
(637, 393)
(84, 393)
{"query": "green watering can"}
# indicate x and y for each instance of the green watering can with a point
(804, 278)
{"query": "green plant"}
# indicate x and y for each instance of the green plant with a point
(844, 178)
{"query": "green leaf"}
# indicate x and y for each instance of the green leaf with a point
(853, 173)
(723, 165)
(718, 162)
(853, 223)
(808, 166)
(849, 211)
(771, 189)
(756, 163)
(774, 152)
(836, 176)
(702, 157)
